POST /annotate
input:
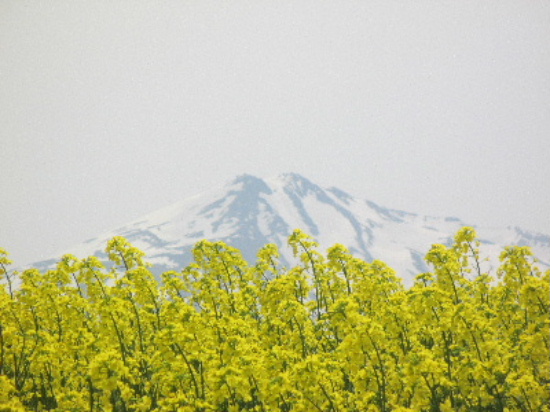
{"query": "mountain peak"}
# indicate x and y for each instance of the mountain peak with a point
(298, 184)
(250, 183)
(292, 177)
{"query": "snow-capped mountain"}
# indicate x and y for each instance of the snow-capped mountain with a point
(249, 212)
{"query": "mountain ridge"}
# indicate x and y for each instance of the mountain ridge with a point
(249, 212)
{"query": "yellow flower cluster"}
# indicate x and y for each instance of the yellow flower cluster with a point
(333, 333)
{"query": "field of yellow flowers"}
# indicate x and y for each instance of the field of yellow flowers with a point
(333, 333)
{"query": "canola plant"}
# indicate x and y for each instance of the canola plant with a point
(332, 333)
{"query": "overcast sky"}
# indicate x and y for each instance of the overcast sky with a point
(113, 109)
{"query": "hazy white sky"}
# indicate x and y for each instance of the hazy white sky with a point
(112, 109)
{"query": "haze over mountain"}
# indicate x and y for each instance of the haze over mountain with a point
(249, 212)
